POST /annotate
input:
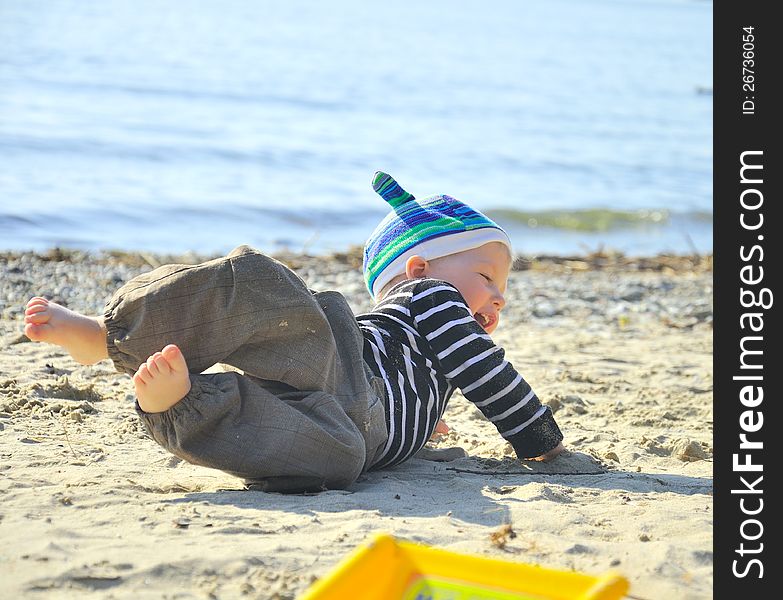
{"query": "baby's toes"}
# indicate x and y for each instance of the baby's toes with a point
(152, 367)
(37, 301)
(161, 363)
(33, 331)
(37, 318)
(35, 309)
(143, 375)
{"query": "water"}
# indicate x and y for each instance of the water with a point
(182, 125)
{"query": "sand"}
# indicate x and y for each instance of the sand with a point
(91, 507)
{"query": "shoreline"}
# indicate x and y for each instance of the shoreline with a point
(619, 347)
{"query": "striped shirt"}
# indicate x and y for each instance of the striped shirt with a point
(423, 341)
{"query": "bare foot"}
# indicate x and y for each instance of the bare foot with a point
(162, 381)
(83, 337)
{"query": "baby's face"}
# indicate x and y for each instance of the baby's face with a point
(481, 276)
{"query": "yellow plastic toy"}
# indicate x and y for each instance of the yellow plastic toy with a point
(389, 569)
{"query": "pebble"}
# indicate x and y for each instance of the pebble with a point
(632, 295)
(688, 450)
(578, 549)
(545, 310)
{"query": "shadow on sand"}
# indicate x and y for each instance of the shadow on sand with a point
(466, 489)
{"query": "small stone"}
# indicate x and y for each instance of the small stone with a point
(20, 339)
(612, 456)
(545, 310)
(643, 537)
(578, 549)
(688, 450)
(633, 295)
(554, 404)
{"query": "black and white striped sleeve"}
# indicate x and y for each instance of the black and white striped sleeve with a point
(472, 362)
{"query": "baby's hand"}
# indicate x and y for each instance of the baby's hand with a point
(546, 457)
(441, 429)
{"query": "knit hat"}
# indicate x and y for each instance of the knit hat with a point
(431, 228)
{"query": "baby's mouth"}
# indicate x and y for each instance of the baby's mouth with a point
(485, 320)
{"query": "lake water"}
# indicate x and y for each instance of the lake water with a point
(184, 125)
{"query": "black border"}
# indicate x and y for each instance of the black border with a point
(735, 132)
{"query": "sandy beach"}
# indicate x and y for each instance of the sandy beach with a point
(620, 348)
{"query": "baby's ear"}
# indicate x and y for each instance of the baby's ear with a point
(416, 267)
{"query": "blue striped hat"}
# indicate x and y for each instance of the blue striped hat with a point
(431, 228)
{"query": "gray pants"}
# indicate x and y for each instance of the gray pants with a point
(303, 412)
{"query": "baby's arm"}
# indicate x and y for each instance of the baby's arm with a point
(471, 361)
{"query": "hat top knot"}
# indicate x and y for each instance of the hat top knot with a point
(391, 191)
